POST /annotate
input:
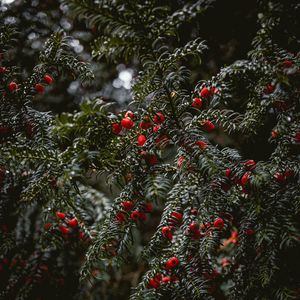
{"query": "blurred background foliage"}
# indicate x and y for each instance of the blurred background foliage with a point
(228, 28)
(35, 20)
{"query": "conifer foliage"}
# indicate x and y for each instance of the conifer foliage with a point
(33, 188)
(228, 223)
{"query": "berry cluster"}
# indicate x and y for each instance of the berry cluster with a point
(133, 210)
(39, 87)
(205, 94)
(129, 121)
(169, 265)
(69, 227)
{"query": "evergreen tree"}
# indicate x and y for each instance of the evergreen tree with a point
(225, 221)
(34, 258)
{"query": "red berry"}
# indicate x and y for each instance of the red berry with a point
(214, 90)
(44, 268)
(120, 217)
(180, 161)
(250, 164)
(202, 145)
(166, 279)
(40, 89)
(127, 205)
(127, 123)
(153, 284)
(225, 262)
(176, 215)
(208, 126)
(193, 227)
(73, 223)
(279, 177)
(219, 223)
(172, 263)
(2, 70)
(157, 277)
(12, 86)
(81, 235)
(156, 128)
(245, 179)
(135, 215)
(116, 128)
(269, 88)
(47, 226)
(48, 79)
(194, 211)
(148, 207)
(141, 140)
(167, 233)
(196, 235)
(64, 230)
(158, 118)
(234, 234)
(228, 172)
(129, 114)
(145, 123)
(250, 231)
(143, 154)
(169, 236)
(152, 159)
(289, 173)
(197, 103)
(274, 133)
(287, 64)
(142, 216)
(60, 215)
(297, 137)
(165, 230)
(205, 93)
